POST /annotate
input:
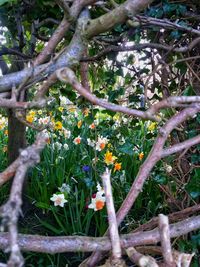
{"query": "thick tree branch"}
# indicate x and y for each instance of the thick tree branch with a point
(119, 15)
(60, 244)
(52, 43)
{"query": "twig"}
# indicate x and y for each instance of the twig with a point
(173, 217)
(139, 47)
(164, 23)
(183, 145)
(165, 240)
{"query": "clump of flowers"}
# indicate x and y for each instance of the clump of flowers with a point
(98, 200)
(44, 120)
(58, 199)
(77, 140)
(57, 145)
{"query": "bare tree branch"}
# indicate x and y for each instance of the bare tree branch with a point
(139, 47)
(173, 217)
(60, 244)
(166, 24)
(183, 145)
(119, 15)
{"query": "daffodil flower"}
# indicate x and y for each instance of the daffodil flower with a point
(98, 202)
(109, 158)
(77, 140)
(58, 199)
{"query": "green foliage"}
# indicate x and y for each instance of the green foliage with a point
(2, 2)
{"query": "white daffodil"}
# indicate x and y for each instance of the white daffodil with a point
(66, 147)
(58, 199)
(90, 142)
(98, 202)
(168, 168)
(67, 133)
(57, 145)
(101, 143)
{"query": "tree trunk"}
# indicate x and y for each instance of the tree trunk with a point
(16, 136)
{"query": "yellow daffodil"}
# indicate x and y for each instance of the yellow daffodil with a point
(117, 166)
(60, 109)
(152, 126)
(32, 113)
(79, 124)
(109, 158)
(29, 118)
(141, 156)
(58, 125)
(86, 112)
